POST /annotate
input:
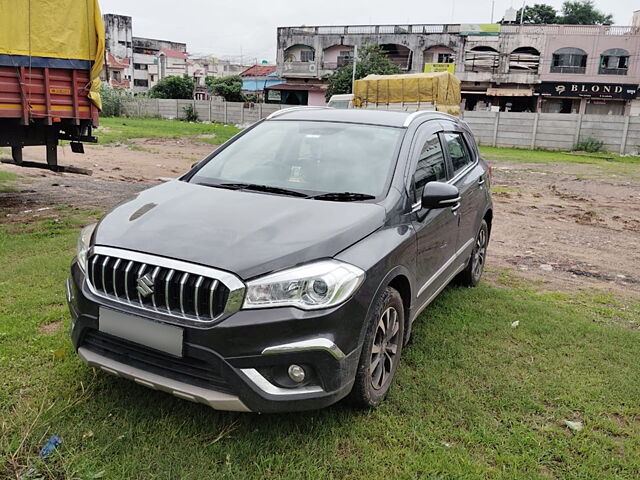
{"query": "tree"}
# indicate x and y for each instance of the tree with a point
(538, 13)
(173, 87)
(583, 13)
(371, 60)
(230, 88)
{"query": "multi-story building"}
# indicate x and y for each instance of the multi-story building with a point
(155, 59)
(548, 68)
(118, 71)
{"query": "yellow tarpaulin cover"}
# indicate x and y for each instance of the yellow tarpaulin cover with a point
(442, 88)
(70, 29)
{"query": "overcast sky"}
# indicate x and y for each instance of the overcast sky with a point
(248, 27)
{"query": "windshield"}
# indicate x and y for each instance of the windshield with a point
(314, 157)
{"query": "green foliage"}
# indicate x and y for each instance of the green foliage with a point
(538, 13)
(589, 144)
(113, 100)
(190, 114)
(173, 87)
(229, 88)
(371, 60)
(583, 13)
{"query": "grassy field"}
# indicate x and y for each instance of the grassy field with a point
(477, 396)
(114, 129)
(6, 178)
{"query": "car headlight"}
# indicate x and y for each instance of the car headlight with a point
(321, 284)
(84, 239)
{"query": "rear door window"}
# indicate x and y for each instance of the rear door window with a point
(458, 151)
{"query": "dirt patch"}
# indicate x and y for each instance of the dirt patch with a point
(49, 328)
(570, 230)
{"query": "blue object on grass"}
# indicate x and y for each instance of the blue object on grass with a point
(53, 443)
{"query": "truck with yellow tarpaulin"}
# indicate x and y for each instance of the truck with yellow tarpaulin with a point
(51, 55)
(409, 92)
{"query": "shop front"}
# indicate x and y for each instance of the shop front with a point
(589, 98)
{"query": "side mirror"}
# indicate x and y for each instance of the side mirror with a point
(439, 195)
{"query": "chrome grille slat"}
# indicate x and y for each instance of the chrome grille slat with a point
(193, 294)
(212, 291)
(115, 269)
(126, 280)
(104, 264)
(183, 281)
(167, 281)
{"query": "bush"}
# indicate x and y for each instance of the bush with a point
(113, 100)
(190, 114)
(229, 88)
(590, 145)
(173, 87)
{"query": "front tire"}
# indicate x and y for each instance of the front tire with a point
(470, 276)
(381, 350)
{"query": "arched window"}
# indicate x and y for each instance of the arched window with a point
(439, 54)
(299, 53)
(614, 61)
(569, 60)
(398, 54)
(481, 59)
(524, 59)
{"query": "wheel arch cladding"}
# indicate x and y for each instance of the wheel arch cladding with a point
(401, 283)
(488, 217)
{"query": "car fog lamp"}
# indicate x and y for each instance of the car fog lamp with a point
(296, 373)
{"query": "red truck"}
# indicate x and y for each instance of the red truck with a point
(50, 61)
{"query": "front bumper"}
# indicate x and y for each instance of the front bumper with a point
(237, 364)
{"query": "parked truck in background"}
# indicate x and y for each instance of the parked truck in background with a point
(407, 93)
(51, 55)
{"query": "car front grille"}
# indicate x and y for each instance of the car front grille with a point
(204, 374)
(178, 289)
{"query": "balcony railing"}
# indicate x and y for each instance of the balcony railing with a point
(612, 71)
(308, 68)
(558, 69)
(455, 29)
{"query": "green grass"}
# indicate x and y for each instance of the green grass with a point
(116, 129)
(6, 178)
(475, 398)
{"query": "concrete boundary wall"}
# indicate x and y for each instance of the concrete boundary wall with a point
(556, 131)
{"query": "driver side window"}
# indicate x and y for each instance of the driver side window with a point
(431, 165)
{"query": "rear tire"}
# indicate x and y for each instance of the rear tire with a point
(470, 276)
(381, 350)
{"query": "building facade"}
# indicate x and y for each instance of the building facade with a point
(549, 68)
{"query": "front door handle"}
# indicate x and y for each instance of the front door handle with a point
(481, 181)
(455, 207)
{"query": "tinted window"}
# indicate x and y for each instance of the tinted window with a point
(431, 166)
(458, 151)
(318, 157)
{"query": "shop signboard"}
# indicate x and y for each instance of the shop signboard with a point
(588, 90)
(439, 67)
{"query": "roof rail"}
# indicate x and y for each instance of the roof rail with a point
(291, 109)
(414, 115)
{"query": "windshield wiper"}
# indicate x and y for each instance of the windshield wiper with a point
(344, 196)
(261, 188)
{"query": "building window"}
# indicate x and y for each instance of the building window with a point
(140, 83)
(569, 60)
(614, 62)
(482, 59)
(140, 66)
(525, 60)
(307, 55)
(445, 58)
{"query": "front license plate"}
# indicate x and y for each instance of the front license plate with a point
(160, 336)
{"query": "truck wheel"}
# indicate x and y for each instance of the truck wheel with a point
(470, 276)
(16, 154)
(381, 350)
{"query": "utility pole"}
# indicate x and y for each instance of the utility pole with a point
(493, 7)
(353, 74)
(522, 12)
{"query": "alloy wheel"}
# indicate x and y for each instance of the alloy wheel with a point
(385, 348)
(479, 254)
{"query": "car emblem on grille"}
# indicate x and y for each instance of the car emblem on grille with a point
(145, 285)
